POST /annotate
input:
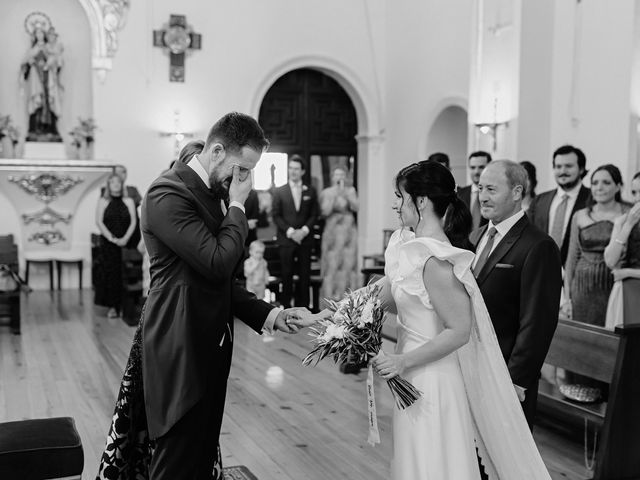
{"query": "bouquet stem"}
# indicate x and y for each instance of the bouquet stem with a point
(403, 392)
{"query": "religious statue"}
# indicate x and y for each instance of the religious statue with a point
(41, 76)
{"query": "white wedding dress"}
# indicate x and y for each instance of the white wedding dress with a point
(468, 399)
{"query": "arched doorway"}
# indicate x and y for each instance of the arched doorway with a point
(448, 134)
(309, 113)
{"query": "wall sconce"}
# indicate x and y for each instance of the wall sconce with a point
(492, 129)
(177, 134)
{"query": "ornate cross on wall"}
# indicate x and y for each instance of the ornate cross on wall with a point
(178, 38)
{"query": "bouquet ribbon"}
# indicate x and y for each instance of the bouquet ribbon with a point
(374, 434)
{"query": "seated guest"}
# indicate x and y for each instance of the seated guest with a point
(532, 182)
(622, 256)
(588, 280)
(116, 219)
(440, 157)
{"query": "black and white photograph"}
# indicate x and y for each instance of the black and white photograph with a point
(302, 240)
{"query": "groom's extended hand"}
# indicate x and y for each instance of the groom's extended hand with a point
(283, 320)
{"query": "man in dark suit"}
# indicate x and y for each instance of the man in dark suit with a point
(518, 270)
(195, 242)
(295, 210)
(552, 211)
(469, 194)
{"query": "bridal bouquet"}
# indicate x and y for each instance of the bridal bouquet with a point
(352, 334)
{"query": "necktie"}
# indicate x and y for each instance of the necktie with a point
(475, 209)
(557, 229)
(485, 251)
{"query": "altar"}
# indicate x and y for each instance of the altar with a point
(49, 207)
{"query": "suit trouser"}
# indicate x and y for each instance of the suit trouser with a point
(287, 255)
(190, 449)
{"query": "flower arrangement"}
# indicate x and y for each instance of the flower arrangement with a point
(8, 130)
(352, 333)
(84, 133)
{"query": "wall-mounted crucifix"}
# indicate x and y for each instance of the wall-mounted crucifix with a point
(178, 38)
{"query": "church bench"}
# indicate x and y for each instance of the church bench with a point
(612, 357)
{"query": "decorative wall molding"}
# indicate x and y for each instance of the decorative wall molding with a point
(106, 19)
(46, 216)
(46, 187)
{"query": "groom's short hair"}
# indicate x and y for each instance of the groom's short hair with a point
(236, 130)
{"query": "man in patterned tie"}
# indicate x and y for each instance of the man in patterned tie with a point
(469, 194)
(553, 210)
(518, 270)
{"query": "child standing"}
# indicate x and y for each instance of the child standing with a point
(255, 269)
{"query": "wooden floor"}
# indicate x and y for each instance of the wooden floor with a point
(283, 421)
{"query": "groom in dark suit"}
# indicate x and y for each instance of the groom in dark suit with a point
(295, 211)
(195, 242)
(518, 270)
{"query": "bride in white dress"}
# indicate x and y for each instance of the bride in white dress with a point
(446, 346)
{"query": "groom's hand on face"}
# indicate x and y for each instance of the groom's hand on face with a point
(241, 184)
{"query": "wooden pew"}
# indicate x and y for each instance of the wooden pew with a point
(612, 357)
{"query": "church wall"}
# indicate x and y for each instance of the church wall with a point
(428, 61)
(593, 55)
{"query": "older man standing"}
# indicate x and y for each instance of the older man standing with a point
(518, 270)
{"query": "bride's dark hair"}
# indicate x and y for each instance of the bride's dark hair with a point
(433, 180)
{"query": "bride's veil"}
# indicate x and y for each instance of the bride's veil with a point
(505, 444)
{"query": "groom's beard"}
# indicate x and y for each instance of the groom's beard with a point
(220, 188)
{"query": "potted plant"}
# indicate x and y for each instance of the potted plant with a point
(9, 137)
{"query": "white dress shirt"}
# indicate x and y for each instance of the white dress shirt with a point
(571, 201)
(197, 167)
(502, 229)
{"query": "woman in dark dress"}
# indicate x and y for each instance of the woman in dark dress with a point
(116, 219)
(587, 277)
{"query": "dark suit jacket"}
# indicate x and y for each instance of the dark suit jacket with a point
(465, 195)
(193, 250)
(521, 284)
(539, 214)
(285, 214)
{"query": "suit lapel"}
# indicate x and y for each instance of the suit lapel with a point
(194, 183)
(502, 248)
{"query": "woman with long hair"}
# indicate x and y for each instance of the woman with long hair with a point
(116, 219)
(588, 279)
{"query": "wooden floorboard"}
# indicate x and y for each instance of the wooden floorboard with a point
(283, 421)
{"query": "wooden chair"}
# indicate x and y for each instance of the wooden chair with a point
(10, 301)
(612, 357)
